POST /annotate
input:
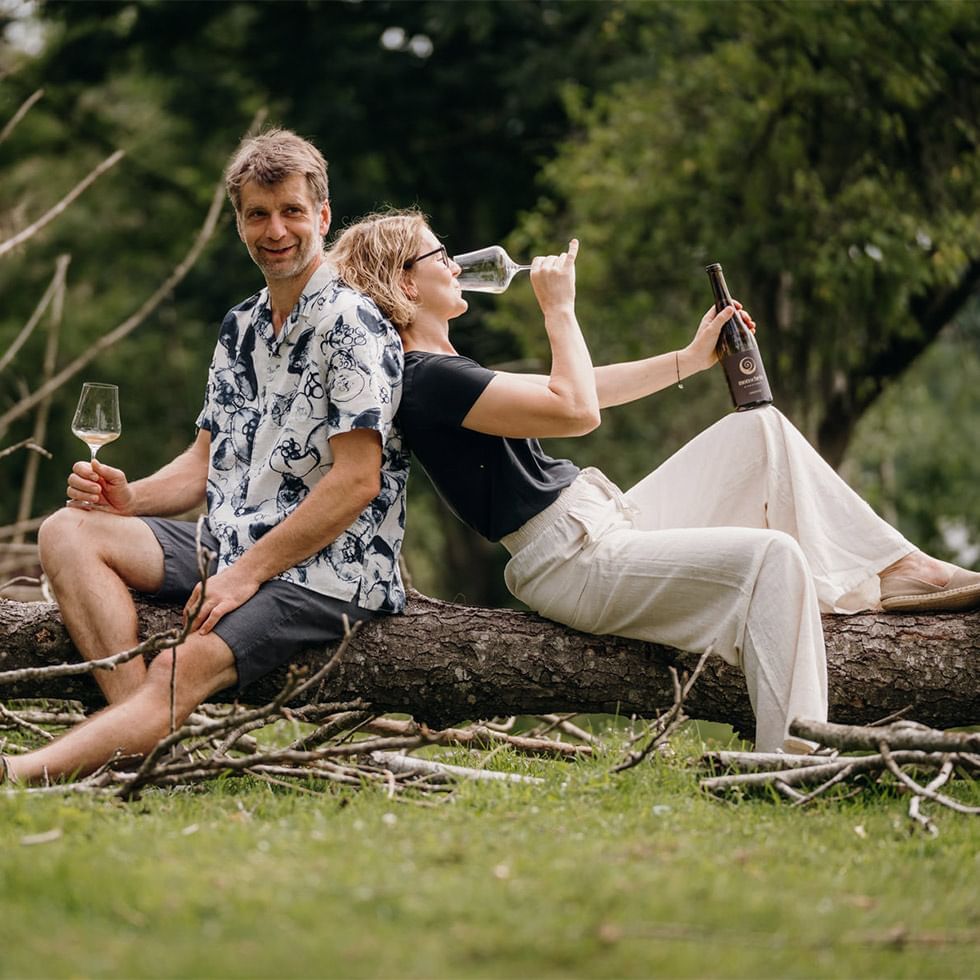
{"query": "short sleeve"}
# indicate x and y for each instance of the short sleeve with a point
(204, 417)
(447, 387)
(362, 358)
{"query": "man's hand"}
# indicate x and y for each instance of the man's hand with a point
(93, 484)
(701, 350)
(225, 592)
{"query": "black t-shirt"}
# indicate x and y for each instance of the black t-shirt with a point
(492, 483)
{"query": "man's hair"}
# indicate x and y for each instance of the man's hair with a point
(270, 158)
(371, 255)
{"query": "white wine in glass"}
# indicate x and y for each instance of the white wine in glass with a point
(487, 270)
(96, 420)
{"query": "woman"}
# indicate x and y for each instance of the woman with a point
(736, 542)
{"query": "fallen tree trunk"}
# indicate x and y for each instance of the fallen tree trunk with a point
(444, 663)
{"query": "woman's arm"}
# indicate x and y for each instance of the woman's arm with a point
(565, 402)
(618, 384)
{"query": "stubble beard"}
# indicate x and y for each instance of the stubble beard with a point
(276, 271)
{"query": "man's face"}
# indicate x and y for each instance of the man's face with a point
(283, 227)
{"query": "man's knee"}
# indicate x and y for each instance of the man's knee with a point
(61, 535)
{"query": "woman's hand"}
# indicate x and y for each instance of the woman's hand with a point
(700, 354)
(553, 279)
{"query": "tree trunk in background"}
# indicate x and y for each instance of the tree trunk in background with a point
(444, 663)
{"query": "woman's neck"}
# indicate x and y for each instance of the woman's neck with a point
(428, 334)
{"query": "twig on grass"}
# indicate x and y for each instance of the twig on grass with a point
(477, 736)
(19, 721)
(659, 731)
(898, 747)
(563, 723)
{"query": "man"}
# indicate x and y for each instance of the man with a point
(299, 461)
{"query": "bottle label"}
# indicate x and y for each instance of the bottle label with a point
(746, 376)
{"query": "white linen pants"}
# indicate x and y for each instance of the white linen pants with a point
(738, 541)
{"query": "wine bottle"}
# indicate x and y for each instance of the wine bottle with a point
(738, 351)
(487, 270)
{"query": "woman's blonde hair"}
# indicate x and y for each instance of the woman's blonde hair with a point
(371, 255)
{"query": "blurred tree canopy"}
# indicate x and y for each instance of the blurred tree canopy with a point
(825, 153)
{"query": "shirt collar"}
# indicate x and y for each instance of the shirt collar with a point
(321, 277)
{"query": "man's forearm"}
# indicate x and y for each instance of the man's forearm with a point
(175, 488)
(332, 506)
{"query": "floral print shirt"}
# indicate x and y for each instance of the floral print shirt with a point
(273, 403)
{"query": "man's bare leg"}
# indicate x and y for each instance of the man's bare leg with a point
(92, 559)
(134, 725)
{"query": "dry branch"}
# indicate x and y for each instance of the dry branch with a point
(23, 444)
(25, 107)
(54, 287)
(128, 325)
(899, 748)
(31, 230)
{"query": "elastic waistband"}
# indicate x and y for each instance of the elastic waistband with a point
(533, 528)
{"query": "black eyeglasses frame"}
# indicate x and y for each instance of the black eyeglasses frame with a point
(435, 251)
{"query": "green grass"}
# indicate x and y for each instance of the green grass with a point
(587, 875)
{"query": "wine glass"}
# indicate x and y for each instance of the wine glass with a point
(487, 270)
(96, 420)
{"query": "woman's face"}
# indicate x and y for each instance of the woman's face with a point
(433, 273)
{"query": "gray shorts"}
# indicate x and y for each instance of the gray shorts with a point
(278, 622)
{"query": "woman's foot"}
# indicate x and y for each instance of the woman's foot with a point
(920, 583)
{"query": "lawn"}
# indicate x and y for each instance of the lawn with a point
(585, 875)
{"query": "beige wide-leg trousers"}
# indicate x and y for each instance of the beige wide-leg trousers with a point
(737, 542)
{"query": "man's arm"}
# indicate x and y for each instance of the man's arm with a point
(174, 489)
(332, 506)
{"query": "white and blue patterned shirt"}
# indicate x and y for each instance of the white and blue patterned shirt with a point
(273, 403)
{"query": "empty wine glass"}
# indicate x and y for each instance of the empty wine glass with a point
(96, 420)
(487, 270)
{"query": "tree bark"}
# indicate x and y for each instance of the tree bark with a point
(445, 663)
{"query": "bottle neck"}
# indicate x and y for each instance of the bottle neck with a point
(720, 288)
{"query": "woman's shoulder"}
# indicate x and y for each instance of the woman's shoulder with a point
(424, 362)
(443, 386)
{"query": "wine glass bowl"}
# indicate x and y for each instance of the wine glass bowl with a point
(487, 270)
(96, 420)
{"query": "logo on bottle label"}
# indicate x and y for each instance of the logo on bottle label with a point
(746, 379)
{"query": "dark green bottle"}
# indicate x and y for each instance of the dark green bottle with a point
(738, 351)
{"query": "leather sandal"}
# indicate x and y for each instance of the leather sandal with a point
(903, 593)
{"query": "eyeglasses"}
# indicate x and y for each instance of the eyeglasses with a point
(440, 251)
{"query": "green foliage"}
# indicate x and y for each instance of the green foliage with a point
(459, 127)
(826, 154)
(914, 454)
(588, 874)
